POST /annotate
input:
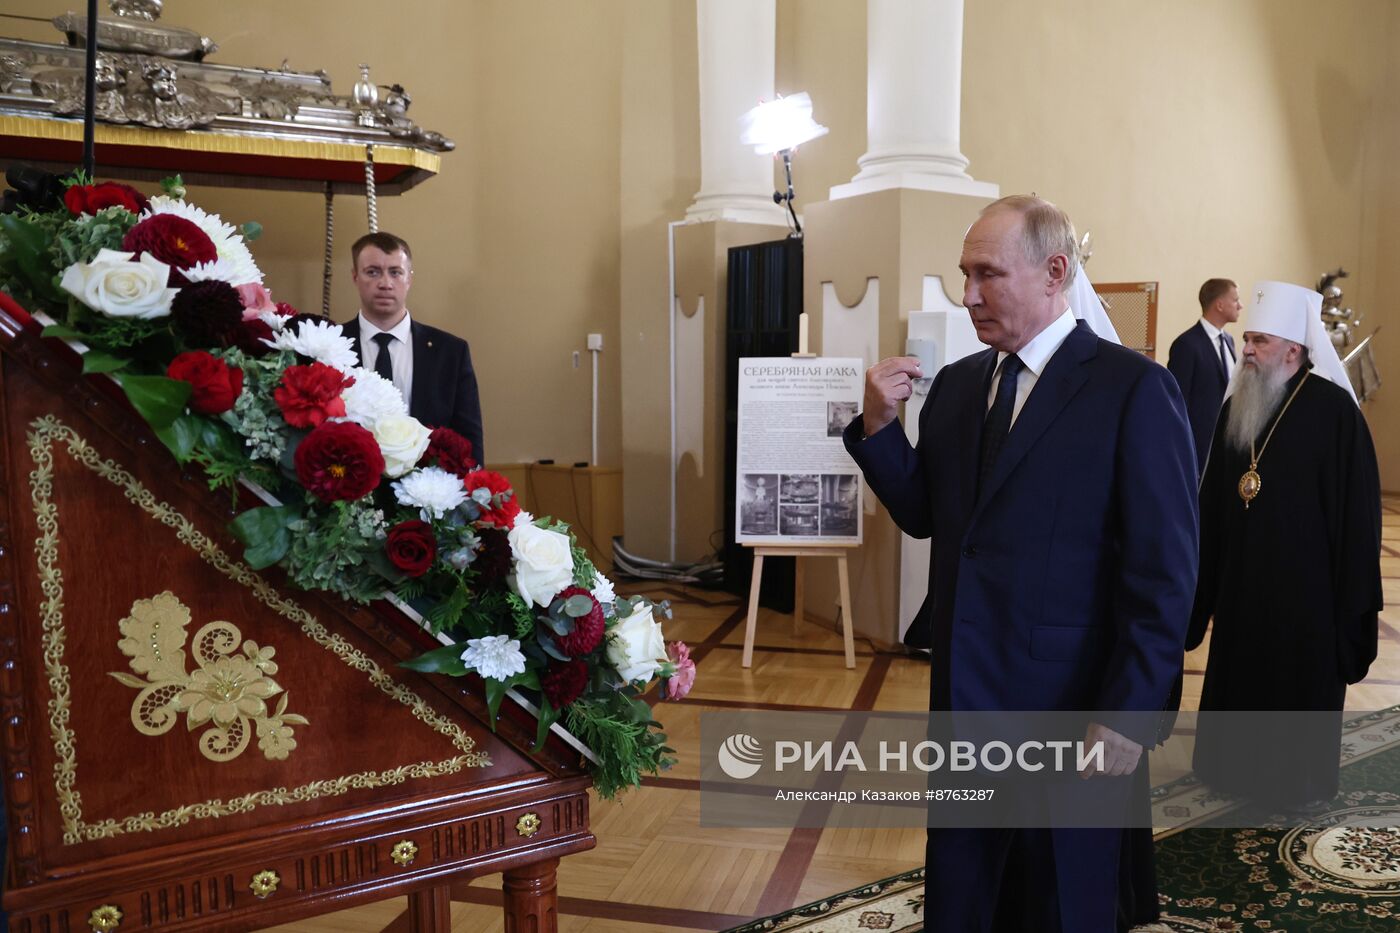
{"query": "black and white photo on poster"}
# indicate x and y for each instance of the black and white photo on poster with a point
(758, 504)
(840, 505)
(838, 415)
(799, 521)
(804, 488)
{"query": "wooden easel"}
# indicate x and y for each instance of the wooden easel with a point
(799, 552)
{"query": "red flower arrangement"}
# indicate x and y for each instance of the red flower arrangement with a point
(175, 241)
(588, 629)
(309, 395)
(89, 199)
(502, 516)
(564, 681)
(216, 384)
(411, 547)
(452, 451)
(339, 460)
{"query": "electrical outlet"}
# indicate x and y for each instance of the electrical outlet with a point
(576, 359)
(595, 341)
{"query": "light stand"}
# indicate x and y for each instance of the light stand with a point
(779, 198)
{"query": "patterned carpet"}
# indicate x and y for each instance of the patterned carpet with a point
(1339, 872)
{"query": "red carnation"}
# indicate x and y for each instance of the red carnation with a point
(564, 682)
(284, 309)
(339, 460)
(588, 629)
(411, 547)
(89, 199)
(308, 395)
(502, 516)
(175, 241)
(452, 451)
(216, 384)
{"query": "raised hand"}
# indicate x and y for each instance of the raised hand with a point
(888, 383)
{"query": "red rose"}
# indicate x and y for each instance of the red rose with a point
(308, 395)
(411, 547)
(588, 630)
(175, 241)
(502, 516)
(216, 384)
(564, 682)
(89, 199)
(339, 460)
(452, 451)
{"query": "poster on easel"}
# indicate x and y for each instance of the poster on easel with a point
(796, 483)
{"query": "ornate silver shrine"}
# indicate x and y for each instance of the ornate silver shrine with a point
(150, 74)
(1342, 323)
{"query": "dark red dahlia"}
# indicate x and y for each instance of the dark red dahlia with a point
(564, 682)
(175, 241)
(449, 450)
(207, 314)
(588, 629)
(339, 460)
(493, 556)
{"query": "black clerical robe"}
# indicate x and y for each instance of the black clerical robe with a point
(1293, 583)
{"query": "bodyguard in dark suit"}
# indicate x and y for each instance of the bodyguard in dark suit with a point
(1055, 476)
(431, 368)
(1202, 359)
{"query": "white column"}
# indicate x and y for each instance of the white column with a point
(737, 51)
(913, 100)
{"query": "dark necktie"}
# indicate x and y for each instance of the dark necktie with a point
(998, 422)
(382, 364)
(1224, 360)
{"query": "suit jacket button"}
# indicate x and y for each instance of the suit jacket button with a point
(969, 552)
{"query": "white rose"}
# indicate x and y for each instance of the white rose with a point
(544, 565)
(402, 439)
(115, 286)
(636, 647)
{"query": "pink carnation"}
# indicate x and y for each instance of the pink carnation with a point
(256, 300)
(679, 683)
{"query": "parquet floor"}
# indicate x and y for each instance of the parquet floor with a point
(656, 870)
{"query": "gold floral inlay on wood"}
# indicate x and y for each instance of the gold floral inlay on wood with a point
(105, 919)
(228, 691)
(44, 435)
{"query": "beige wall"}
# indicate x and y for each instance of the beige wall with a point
(1247, 138)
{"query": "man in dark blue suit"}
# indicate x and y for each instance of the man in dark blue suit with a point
(1054, 473)
(1202, 358)
(431, 368)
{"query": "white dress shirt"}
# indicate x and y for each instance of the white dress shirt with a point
(1035, 355)
(400, 351)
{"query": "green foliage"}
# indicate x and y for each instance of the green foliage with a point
(446, 660)
(620, 731)
(330, 547)
(159, 399)
(265, 533)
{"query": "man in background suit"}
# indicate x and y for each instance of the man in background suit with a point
(431, 368)
(1054, 474)
(1202, 358)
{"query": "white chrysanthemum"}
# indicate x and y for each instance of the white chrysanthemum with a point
(220, 270)
(228, 242)
(523, 518)
(603, 589)
(275, 322)
(371, 397)
(495, 656)
(432, 490)
(320, 340)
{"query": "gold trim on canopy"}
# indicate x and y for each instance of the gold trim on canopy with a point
(215, 142)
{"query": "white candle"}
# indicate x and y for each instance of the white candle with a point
(802, 332)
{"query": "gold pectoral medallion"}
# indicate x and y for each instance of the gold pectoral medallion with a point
(1249, 486)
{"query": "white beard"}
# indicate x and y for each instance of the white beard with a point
(1257, 394)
